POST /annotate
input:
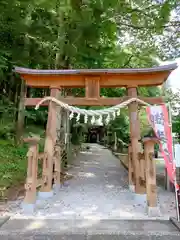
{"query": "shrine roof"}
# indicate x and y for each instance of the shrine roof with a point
(164, 68)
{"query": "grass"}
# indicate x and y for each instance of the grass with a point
(13, 163)
(13, 160)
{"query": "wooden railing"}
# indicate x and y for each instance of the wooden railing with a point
(147, 171)
(35, 160)
(147, 176)
(33, 181)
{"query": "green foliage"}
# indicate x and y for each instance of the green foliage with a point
(113, 92)
(173, 98)
(13, 164)
(150, 91)
(83, 34)
(7, 113)
(7, 131)
(121, 126)
(77, 131)
(36, 117)
(176, 124)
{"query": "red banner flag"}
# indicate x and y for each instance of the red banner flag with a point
(158, 118)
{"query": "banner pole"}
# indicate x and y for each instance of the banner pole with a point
(175, 182)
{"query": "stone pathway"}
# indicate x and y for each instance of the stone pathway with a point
(98, 190)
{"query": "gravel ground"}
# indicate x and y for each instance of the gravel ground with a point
(98, 190)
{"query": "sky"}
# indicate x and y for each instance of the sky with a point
(173, 82)
(174, 78)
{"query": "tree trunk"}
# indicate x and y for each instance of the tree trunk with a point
(21, 114)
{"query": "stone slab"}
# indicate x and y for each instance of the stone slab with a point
(42, 236)
(90, 237)
(55, 229)
(89, 226)
(132, 237)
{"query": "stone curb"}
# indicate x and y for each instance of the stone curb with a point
(175, 223)
(3, 220)
(125, 167)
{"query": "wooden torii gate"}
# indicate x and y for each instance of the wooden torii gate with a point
(93, 80)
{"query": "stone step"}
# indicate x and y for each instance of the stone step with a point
(56, 229)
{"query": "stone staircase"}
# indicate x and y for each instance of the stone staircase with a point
(54, 229)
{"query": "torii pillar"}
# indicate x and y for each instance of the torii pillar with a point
(140, 190)
(46, 190)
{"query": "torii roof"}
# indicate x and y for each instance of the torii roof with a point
(107, 77)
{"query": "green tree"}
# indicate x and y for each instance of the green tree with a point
(82, 34)
(173, 98)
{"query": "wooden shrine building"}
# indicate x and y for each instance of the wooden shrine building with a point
(93, 80)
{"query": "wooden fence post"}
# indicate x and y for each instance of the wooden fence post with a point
(142, 170)
(130, 170)
(151, 188)
(142, 177)
(32, 171)
(57, 166)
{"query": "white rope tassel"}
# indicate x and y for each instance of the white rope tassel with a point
(114, 115)
(100, 119)
(85, 118)
(66, 138)
(107, 119)
(71, 116)
(93, 120)
(78, 117)
(118, 112)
